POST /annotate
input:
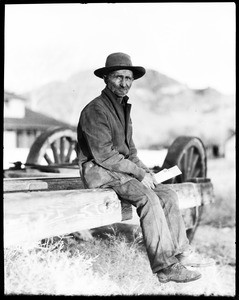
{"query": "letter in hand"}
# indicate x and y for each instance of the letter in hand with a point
(149, 181)
(154, 179)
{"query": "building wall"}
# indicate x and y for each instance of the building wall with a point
(9, 139)
(25, 138)
(14, 108)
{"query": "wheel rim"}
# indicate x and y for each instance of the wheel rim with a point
(189, 154)
(56, 146)
(191, 163)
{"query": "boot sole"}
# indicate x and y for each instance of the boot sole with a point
(180, 281)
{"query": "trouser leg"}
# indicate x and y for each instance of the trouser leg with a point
(169, 201)
(161, 249)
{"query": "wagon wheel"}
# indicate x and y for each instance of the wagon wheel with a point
(189, 154)
(56, 146)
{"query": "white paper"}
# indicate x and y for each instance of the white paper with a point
(166, 174)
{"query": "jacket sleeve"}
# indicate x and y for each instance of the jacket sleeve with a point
(96, 131)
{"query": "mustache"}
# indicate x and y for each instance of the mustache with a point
(123, 88)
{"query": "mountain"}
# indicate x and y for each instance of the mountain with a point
(162, 108)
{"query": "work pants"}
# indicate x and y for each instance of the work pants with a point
(162, 225)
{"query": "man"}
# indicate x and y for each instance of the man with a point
(108, 159)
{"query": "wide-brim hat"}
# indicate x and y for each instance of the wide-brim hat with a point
(119, 61)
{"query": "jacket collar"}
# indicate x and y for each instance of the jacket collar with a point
(116, 104)
(118, 109)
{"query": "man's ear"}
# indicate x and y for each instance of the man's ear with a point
(105, 77)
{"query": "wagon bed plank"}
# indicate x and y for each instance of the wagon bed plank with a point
(31, 216)
(36, 215)
(26, 185)
(52, 183)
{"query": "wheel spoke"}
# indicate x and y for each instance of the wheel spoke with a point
(193, 165)
(62, 149)
(190, 161)
(185, 163)
(197, 172)
(184, 166)
(71, 148)
(47, 158)
(55, 153)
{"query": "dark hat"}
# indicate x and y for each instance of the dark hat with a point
(119, 61)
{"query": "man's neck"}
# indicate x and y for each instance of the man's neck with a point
(119, 99)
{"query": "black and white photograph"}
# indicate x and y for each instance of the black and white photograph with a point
(119, 149)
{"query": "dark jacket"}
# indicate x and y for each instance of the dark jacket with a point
(106, 150)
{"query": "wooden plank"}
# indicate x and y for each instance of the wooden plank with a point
(206, 192)
(66, 182)
(51, 183)
(17, 174)
(194, 194)
(36, 215)
(26, 185)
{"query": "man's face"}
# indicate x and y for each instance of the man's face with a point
(119, 82)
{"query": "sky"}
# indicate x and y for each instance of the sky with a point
(193, 43)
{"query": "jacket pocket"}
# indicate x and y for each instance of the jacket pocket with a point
(95, 175)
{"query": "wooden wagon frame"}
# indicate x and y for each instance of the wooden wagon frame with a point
(47, 198)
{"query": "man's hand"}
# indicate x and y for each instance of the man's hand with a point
(149, 181)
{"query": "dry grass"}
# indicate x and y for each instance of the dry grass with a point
(49, 271)
(103, 266)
